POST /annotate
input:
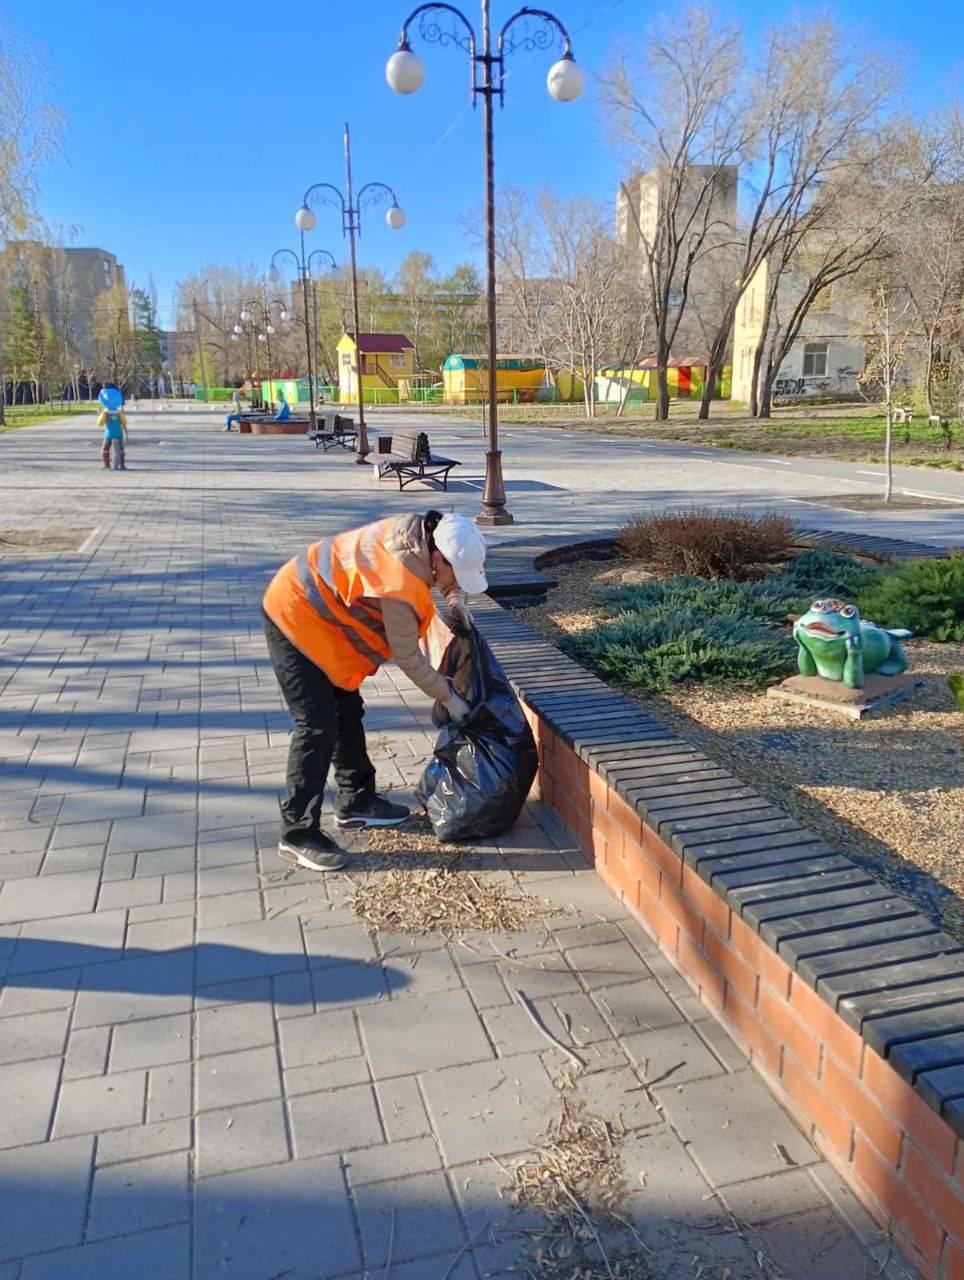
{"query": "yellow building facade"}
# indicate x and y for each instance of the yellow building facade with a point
(388, 358)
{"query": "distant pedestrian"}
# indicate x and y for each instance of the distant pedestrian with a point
(237, 395)
(114, 424)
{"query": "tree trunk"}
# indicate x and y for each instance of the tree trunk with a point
(889, 451)
(766, 390)
(929, 373)
(713, 369)
(662, 388)
(755, 380)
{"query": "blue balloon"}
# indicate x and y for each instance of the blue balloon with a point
(111, 399)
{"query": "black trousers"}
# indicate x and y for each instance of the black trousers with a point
(328, 731)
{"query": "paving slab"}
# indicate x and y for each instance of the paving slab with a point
(204, 1021)
(43, 1196)
(706, 1111)
(448, 1034)
(489, 1108)
(291, 1220)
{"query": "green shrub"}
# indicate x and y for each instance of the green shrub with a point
(713, 630)
(792, 589)
(955, 682)
(925, 596)
(818, 572)
(655, 651)
(710, 544)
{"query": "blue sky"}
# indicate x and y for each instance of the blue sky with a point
(196, 125)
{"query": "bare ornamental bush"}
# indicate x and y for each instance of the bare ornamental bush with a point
(705, 543)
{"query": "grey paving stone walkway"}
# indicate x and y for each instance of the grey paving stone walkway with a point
(208, 1067)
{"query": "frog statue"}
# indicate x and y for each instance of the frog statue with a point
(833, 642)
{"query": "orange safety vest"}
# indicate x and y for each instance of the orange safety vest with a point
(326, 601)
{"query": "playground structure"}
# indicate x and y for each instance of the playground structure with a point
(520, 379)
(636, 384)
(387, 360)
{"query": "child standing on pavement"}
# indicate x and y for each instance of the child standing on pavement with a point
(114, 424)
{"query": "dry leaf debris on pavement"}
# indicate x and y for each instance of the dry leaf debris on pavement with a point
(575, 1181)
(405, 896)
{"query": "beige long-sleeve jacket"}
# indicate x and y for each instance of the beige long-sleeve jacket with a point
(401, 624)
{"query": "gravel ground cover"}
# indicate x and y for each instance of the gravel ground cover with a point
(888, 790)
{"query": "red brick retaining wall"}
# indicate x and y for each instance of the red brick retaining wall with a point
(277, 428)
(903, 1160)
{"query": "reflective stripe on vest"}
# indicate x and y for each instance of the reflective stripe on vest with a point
(367, 615)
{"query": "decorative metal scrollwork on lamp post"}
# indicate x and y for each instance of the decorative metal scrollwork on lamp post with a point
(405, 74)
(371, 193)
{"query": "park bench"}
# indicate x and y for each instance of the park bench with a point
(333, 429)
(411, 458)
(903, 415)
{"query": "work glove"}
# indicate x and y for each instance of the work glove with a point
(457, 707)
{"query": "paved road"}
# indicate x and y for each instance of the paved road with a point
(207, 1066)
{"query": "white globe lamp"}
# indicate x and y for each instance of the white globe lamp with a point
(245, 315)
(235, 338)
(404, 71)
(285, 315)
(270, 329)
(237, 330)
(565, 80)
(305, 219)
(262, 337)
(396, 217)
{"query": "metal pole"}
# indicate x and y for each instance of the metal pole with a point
(311, 380)
(314, 316)
(363, 449)
(493, 495)
(266, 314)
(200, 350)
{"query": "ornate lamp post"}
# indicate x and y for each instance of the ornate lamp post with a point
(263, 327)
(405, 74)
(303, 267)
(351, 208)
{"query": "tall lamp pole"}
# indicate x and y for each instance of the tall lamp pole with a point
(200, 350)
(405, 74)
(351, 208)
(303, 267)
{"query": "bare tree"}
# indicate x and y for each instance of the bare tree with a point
(115, 354)
(888, 330)
(929, 250)
(847, 230)
(810, 102)
(583, 320)
(679, 107)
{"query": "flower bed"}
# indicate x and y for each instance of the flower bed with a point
(888, 791)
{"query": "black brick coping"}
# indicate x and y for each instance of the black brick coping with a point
(886, 969)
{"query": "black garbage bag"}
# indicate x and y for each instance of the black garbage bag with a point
(477, 781)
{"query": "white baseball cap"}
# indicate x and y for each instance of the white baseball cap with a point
(461, 542)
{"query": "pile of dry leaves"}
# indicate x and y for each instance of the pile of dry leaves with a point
(406, 896)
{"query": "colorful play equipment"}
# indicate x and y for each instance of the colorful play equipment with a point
(635, 384)
(519, 379)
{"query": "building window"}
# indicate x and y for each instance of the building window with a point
(397, 361)
(106, 265)
(815, 360)
(346, 359)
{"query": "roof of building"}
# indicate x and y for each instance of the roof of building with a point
(504, 360)
(381, 343)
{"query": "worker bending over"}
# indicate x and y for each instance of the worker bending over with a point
(333, 615)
